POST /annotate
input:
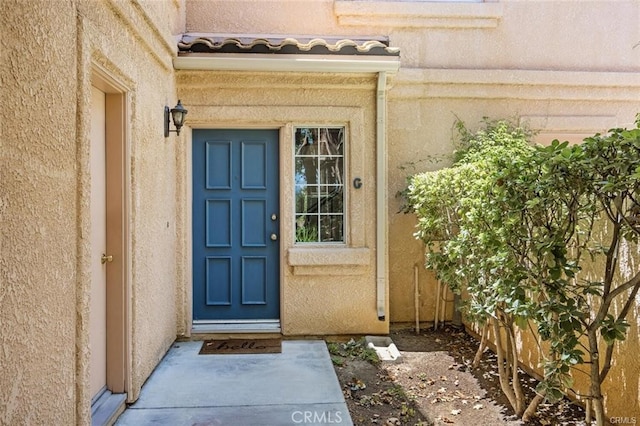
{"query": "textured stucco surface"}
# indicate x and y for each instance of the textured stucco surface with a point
(139, 54)
(321, 293)
(529, 64)
(47, 63)
(527, 35)
(530, 61)
(37, 205)
(624, 378)
(559, 74)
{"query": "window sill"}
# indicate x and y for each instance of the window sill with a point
(314, 260)
(418, 14)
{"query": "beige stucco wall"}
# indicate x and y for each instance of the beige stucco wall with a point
(494, 59)
(545, 64)
(425, 104)
(503, 34)
(48, 56)
(39, 186)
(139, 55)
(564, 118)
(325, 289)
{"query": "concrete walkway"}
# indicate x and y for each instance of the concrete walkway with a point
(296, 387)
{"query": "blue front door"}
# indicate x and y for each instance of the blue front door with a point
(236, 214)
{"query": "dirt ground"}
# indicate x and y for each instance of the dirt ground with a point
(433, 384)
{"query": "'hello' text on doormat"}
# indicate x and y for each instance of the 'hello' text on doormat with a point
(241, 346)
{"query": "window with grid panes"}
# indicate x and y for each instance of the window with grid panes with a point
(319, 184)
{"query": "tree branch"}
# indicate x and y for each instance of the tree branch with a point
(606, 366)
(633, 282)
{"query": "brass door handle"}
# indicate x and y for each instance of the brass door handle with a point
(104, 259)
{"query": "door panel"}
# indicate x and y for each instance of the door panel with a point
(254, 221)
(236, 256)
(218, 211)
(254, 283)
(98, 305)
(218, 287)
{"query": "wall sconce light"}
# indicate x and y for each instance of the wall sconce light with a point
(177, 113)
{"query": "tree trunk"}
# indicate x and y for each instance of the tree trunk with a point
(502, 374)
(515, 376)
(595, 390)
(483, 345)
(530, 412)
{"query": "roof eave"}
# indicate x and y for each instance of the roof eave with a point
(287, 63)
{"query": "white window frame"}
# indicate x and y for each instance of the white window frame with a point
(345, 198)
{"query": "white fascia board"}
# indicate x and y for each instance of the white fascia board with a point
(287, 63)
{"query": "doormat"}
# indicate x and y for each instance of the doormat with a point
(241, 346)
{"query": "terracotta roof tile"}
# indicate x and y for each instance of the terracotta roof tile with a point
(211, 43)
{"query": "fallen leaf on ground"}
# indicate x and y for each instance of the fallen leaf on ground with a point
(356, 384)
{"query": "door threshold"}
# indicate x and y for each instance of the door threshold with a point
(235, 326)
(106, 409)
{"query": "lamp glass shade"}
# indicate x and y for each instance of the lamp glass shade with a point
(178, 113)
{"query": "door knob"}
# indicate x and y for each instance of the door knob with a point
(274, 237)
(104, 259)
